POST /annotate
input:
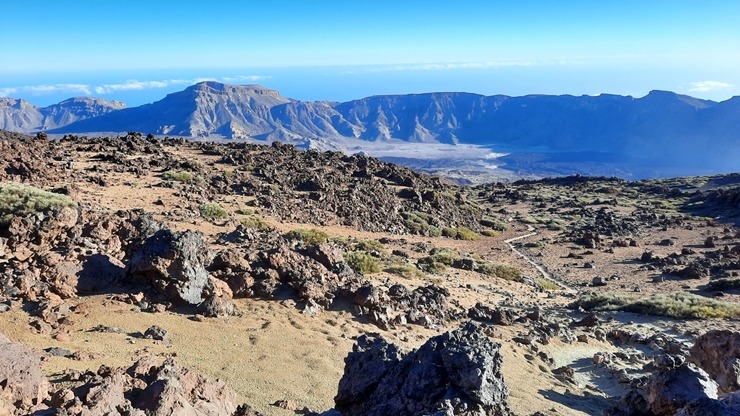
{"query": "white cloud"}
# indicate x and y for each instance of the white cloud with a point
(246, 78)
(7, 92)
(705, 86)
(47, 89)
(445, 66)
(134, 85)
(129, 85)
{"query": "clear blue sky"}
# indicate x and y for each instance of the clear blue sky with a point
(138, 51)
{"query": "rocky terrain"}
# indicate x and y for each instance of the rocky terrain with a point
(144, 276)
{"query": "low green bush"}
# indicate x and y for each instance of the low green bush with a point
(405, 270)
(494, 224)
(418, 223)
(725, 284)
(213, 211)
(501, 271)
(19, 200)
(676, 305)
(256, 223)
(362, 262)
(547, 285)
(460, 233)
(178, 176)
(369, 246)
(308, 236)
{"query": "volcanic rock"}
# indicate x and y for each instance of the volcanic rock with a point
(718, 353)
(457, 373)
(172, 263)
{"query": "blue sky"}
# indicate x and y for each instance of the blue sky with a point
(139, 51)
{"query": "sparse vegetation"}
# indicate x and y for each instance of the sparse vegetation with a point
(501, 271)
(725, 284)
(362, 262)
(178, 176)
(418, 223)
(369, 246)
(460, 233)
(245, 211)
(308, 236)
(405, 270)
(676, 305)
(212, 211)
(438, 260)
(256, 223)
(489, 233)
(494, 224)
(546, 284)
(19, 200)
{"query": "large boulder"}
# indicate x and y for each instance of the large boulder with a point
(173, 264)
(718, 353)
(667, 392)
(457, 373)
(146, 388)
(23, 384)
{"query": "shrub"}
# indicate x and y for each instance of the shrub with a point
(403, 269)
(676, 305)
(19, 200)
(489, 233)
(370, 246)
(213, 211)
(362, 262)
(308, 236)
(501, 271)
(418, 223)
(494, 224)
(460, 233)
(178, 176)
(547, 285)
(245, 211)
(725, 284)
(438, 260)
(256, 223)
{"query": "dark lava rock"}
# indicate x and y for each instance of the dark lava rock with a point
(667, 392)
(718, 353)
(457, 373)
(156, 333)
(497, 316)
(172, 263)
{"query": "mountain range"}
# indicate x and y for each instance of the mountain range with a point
(21, 116)
(662, 127)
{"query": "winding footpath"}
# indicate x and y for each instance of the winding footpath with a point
(545, 275)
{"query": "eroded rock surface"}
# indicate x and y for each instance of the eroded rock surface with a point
(457, 373)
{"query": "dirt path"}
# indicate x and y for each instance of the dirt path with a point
(545, 275)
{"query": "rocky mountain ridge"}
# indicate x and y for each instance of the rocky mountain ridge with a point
(22, 116)
(662, 128)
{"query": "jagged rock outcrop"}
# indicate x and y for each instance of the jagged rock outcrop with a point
(457, 373)
(718, 353)
(145, 388)
(173, 264)
(23, 386)
(667, 392)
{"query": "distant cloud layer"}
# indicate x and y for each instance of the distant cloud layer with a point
(129, 85)
(46, 89)
(704, 86)
(447, 66)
